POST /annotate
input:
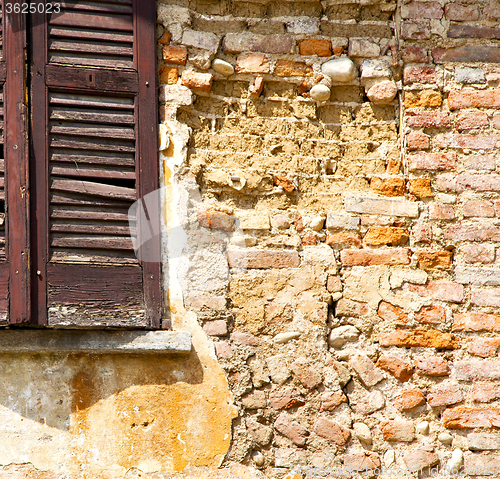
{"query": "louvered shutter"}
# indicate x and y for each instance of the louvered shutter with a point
(95, 153)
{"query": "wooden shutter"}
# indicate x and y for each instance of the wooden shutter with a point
(95, 153)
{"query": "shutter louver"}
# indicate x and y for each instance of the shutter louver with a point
(92, 85)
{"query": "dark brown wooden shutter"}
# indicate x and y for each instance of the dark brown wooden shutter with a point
(95, 153)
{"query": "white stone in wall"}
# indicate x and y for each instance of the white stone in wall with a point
(339, 336)
(340, 70)
(382, 92)
(320, 92)
(222, 67)
(375, 69)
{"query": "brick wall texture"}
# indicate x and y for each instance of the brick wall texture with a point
(346, 155)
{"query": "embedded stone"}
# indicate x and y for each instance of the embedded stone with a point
(362, 432)
(222, 67)
(445, 438)
(340, 70)
(339, 336)
(320, 92)
(375, 69)
(382, 92)
(283, 338)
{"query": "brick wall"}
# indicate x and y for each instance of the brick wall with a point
(342, 161)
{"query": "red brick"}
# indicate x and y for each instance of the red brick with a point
(215, 328)
(330, 400)
(360, 461)
(343, 240)
(400, 369)
(252, 63)
(315, 46)
(459, 12)
(409, 399)
(423, 338)
(422, 10)
(420, 74)
(471, 417)
(251, 42)
(284, 182)
(262, 259)
(308, 377)
(476, 322)
(398, 430)
(473, 142)
(432, 366)
(485, 392)
(255, 90)
(416, 140)
(288, 68)
(175, 55)
(444, 395)
(375, 257)
(472, 233)
(479, 208)
(431, 315)
(438, 211)
(391, 313)
(416, 30)
(291, 429)
(332, 431)
(469, 120)
(441, 290)
(483, 347)
(415, 55)
(427, 119)
(197, 81)
(467, 54)
(468, 98)
(347, 307)
(216, 220)
(432, 161)
(285, 399)
(165, 38)
(434, 259)
(496, 121)
(461, 31)
(422, 233)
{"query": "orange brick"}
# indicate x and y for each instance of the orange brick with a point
(375, 257)
(434, 259)
(409, 399)
(382, 235)
(391, 313)
(423, 98)
(288, 68)
(169, 75)
(389, 187)
(400, 369)
(431, 315)
(197, 81)
(476, 322)
(315, 46)
(424, 338)
(176, 55)
(165, 38)
(471, 417)
(420, 187)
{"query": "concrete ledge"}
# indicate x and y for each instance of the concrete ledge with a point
(93, 341)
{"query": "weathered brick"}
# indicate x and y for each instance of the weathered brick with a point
(468, 120)
(261, 259)
(485, 297)
(204, 40)
(332, 431)
(215, 328)
(432, 366)
(442, 290)
(476, 322)
(420, 187)
(433, 161)
(415, 55)
(469, 98)
(216, 220)
(422, 98)
(343, 240)
(427, 119)
(478, 182)
(399, 368)
(389, 187)
(288, 68)
(438, 211)
(250, 42)
(371, 402)
(348, 222)
(175, 55)
(472, 233)
(421, 233)
(291, 429)
(479, 275)
(484, 392)
(165, 38)
(469, 75)
(315, 46)
(464, 141)
(418, 459)
(471, 417)
(416, 140)
(391, 313)
(483, 347)
(423, 338)
(168, 75)
(459, 12)
(467, 54)
(361, 461)
(381, 235)
(420, 74)
(477, 369)
(197, 81)
(375, 257)
(416, 30)
(333, 284)
(481, 162)
(398, 430)
(485, 465)
(431, 315)
(308, 377)
(366, 370)
(254, 400)
(330, 400)
(409, 399)
(462, 31)
(382, 206)
(254, 91)
(259, 433)
(434, 259)
(347, 307)
(363, 47)
(444, 395)
(285, 399)
(252, 63)
(480, 441)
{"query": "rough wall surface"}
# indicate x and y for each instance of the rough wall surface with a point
(342, 221)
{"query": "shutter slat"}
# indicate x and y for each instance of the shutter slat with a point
(101, 131)
(93, 189)
(91, 242)
(102, 61)
(63, 198)
(94, 227)
(100, 48)
(92, 116)
(85, 172)
(92, 101)
(63, 212)
(76, 158)
(97, 35)
(88, 20)
(96, 7)
(96, 144)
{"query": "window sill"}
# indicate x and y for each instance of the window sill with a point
(94, 342)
